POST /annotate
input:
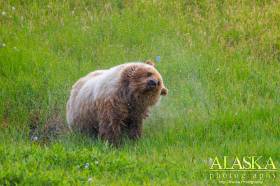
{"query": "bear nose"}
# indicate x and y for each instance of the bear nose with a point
(152, 83)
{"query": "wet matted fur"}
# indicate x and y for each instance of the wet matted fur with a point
(109, 103)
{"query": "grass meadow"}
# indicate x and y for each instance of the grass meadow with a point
(220, 61)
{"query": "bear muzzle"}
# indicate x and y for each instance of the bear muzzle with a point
(152, 84)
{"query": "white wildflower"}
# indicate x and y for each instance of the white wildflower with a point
(3, 13)
(210, 161)
(34, 138)
(13, 8)
(86, 165)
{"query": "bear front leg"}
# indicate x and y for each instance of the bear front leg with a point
(111, 132)
(135, 128)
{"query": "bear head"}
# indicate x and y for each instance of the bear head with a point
(144, 83)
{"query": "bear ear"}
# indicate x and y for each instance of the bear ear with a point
(150, 62)
(130, 71)
(164, 91)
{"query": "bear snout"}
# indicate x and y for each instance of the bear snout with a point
(151, 84)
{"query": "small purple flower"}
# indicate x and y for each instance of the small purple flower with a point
(157, 58)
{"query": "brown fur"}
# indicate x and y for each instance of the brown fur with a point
(124, 111)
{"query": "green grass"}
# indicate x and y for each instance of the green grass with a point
(219, 60)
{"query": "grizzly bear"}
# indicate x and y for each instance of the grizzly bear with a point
(113, 102)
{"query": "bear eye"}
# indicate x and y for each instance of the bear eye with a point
(149, 74)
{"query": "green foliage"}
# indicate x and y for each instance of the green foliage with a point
(219, 59)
